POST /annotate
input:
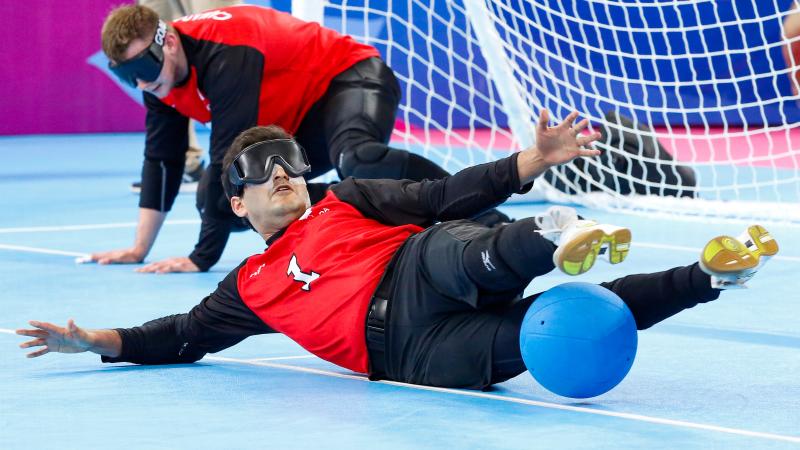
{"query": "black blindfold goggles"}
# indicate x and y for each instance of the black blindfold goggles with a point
(147, 64)
(254, 164)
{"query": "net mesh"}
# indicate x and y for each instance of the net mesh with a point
(694, 99)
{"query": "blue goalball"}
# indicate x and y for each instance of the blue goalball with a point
(578, 340)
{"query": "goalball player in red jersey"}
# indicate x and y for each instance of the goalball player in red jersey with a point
(367, 279)
(238, 67)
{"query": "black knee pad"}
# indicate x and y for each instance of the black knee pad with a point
(372, 160)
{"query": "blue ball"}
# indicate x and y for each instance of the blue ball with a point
(578, 340)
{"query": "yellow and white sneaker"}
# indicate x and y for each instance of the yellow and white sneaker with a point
(581, 241)
(758, 240)
(731, 262)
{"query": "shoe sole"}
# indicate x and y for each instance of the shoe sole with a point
(724, 255)
(761, 242)
(579, 254)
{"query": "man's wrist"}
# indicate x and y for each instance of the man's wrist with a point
(104, 342)
(201, 263)
(530, 165)
(139, 252)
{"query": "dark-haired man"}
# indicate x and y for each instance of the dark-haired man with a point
(365, 280)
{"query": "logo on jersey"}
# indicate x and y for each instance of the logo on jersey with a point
(305, 278)
(310, 213)
(213, 15)
(306, 214)
(257, 272)
(486, 261)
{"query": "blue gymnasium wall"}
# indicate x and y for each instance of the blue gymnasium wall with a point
(726, 95)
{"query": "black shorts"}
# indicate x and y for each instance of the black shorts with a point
(434, 334)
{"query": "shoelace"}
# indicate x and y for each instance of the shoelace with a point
(545, 229)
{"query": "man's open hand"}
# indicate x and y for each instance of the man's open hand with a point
(171, 265)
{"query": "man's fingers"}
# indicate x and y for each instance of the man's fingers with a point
(156, 267)
(32, 333)
(38, 353)
(102, 258)
(589, 152)
(115, 257)
(170, 267)
(581, 126)
(46, 326)
(544, 119)
(569, 120)
(34, 343)
(586, 140)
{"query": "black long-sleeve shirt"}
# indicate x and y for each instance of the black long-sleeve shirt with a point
(248, 66)
(222, 319)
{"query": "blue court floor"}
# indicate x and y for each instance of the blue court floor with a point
(722, 375)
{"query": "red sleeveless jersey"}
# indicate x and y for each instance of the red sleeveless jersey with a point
(300, 60)
(314, 283)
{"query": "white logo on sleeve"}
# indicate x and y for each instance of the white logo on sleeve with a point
(486, 261)
(257, 272)
(299, 275)
(213, 15)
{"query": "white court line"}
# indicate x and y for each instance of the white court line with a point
(619, 415)
(47, 251)
(103, 226)
(95, 226)
(523, 401)
(634, 244)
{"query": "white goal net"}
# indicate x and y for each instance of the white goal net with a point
(693, 97)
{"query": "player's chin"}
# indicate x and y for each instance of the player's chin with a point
(287, 201)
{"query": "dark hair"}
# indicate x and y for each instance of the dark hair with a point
(245, 139)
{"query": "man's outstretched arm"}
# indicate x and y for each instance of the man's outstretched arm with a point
(150, 222)
(473, 189)
(218, 322)
(70, 339)
(164, 158)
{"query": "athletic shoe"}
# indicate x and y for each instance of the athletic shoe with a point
(580, 241)
(731, 262)
(758, 240)
(193, 176)
(188, 183)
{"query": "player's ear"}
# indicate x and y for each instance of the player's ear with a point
(237, 205)
(171, 40)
